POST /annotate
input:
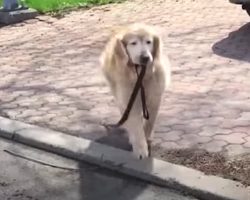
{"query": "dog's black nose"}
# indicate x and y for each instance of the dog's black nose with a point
(144, 59)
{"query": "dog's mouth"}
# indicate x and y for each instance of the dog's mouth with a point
(137, 67)
(144, 61)
(133, 65)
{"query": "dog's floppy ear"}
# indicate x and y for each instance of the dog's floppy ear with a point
(157, 47)
(120, 50)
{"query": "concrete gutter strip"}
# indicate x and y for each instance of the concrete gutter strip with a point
(152, 170)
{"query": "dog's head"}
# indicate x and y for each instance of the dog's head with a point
(138, 44)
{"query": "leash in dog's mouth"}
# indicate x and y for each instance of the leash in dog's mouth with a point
(138, 86)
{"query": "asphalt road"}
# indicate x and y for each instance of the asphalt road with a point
(23, 179)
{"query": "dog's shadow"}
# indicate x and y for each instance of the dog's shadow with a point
(236, 45)
(116, 137)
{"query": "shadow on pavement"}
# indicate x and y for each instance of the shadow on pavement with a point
(24, 179)
(116, 138)
(236, 45)
(107, 184)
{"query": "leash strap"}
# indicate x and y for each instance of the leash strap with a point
(136, 89)
(143, 97)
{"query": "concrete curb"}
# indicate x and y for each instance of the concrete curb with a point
(152, 170)
(11, 17)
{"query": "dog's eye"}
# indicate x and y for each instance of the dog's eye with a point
(149, 42)
(134, 43)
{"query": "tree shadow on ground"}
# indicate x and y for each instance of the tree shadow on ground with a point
(108, 184)
(116, 138)
(236, 45)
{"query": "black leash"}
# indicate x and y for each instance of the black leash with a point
(138, 86)
(143, 96)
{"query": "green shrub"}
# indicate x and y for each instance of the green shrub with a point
(57, 5)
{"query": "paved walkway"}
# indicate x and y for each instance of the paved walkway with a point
(50, 74)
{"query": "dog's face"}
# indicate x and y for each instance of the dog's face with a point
(139, 48)
(139, 44)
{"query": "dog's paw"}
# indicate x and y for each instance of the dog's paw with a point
(141, 151)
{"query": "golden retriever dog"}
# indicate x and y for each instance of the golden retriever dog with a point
(130, 46)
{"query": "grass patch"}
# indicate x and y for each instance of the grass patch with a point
(44, 6)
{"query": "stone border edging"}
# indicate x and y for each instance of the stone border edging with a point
(151, 170)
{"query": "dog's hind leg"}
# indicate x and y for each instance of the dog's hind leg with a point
(153, 105)
(149, 125)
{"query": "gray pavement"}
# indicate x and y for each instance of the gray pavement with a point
(21, 179)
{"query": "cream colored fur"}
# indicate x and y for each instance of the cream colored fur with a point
(121, 77)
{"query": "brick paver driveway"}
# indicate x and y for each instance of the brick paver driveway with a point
(50, 74)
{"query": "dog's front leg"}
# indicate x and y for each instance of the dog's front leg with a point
(134, 126)
(134, 123)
